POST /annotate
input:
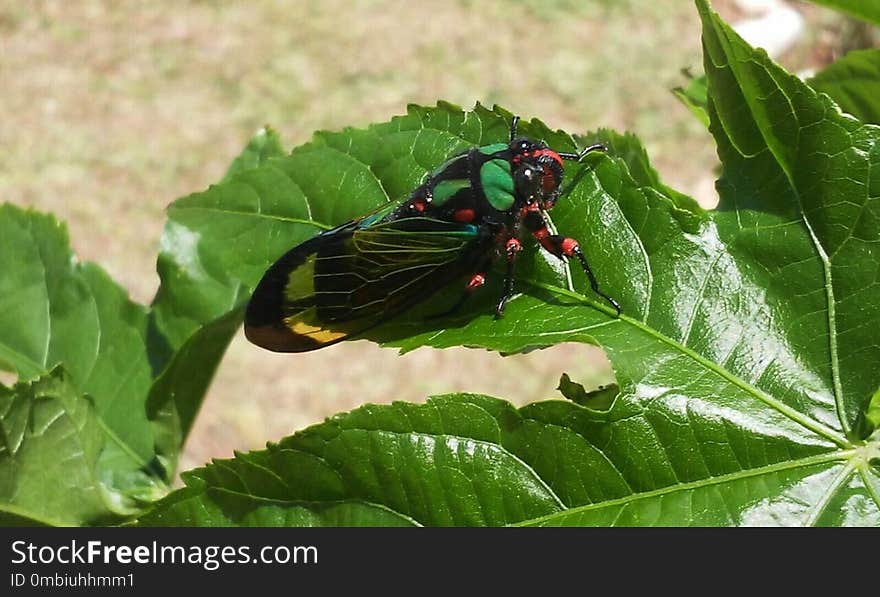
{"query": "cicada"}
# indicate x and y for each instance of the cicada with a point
(475, 208)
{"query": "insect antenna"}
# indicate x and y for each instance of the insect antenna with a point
(564, 192)
(576, 157)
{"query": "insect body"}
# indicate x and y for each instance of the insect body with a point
(473, 209)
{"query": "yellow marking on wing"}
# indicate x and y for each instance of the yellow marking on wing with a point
(318, 333)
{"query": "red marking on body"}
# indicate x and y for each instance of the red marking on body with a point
(541, 234)
(419, 205)
(464, 215)
(513, 246)
(525, 209)
(548, 152)
(569, 246)
(475, 282)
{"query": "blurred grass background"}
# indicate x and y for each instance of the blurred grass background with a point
(111, 110)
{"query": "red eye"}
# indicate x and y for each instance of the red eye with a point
(548, 181)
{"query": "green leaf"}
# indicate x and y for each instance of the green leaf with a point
(629, 149)
(745, 355)
(176, 394)
(694, 96)
(54, 311)
(197, 308)
(873, 414)
(265, 144)
(466, 459)
(145, 388)
(854, 83)
(200, 256)
(600, 398)
(50, 432)
(797, 192)
(867, 10)
(435, 464)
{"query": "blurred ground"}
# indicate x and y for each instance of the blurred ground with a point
(112, 110)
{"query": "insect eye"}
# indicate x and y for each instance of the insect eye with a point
(549, 182)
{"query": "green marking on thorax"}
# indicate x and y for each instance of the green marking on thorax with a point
(448, 163)
(497, 183)
(493, 148)
(445, 189)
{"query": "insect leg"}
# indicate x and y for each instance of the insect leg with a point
(512, 247)
(476, 280)
(575, 250)
(563, 246)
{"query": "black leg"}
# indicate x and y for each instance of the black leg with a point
(477, 280)
(562, 247)
(508, 289)
(512, 249)
(594, 284)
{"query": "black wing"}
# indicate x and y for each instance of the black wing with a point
(349, 279)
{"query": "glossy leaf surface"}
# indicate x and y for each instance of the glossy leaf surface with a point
(745, 356)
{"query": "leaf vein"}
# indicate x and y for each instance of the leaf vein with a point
(708, 482)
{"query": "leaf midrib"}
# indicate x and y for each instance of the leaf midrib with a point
(822, 503)
(793, 414)
(839, 455)
(817, 245)
(251, 214)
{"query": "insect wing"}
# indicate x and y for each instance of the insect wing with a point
(347, 280)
